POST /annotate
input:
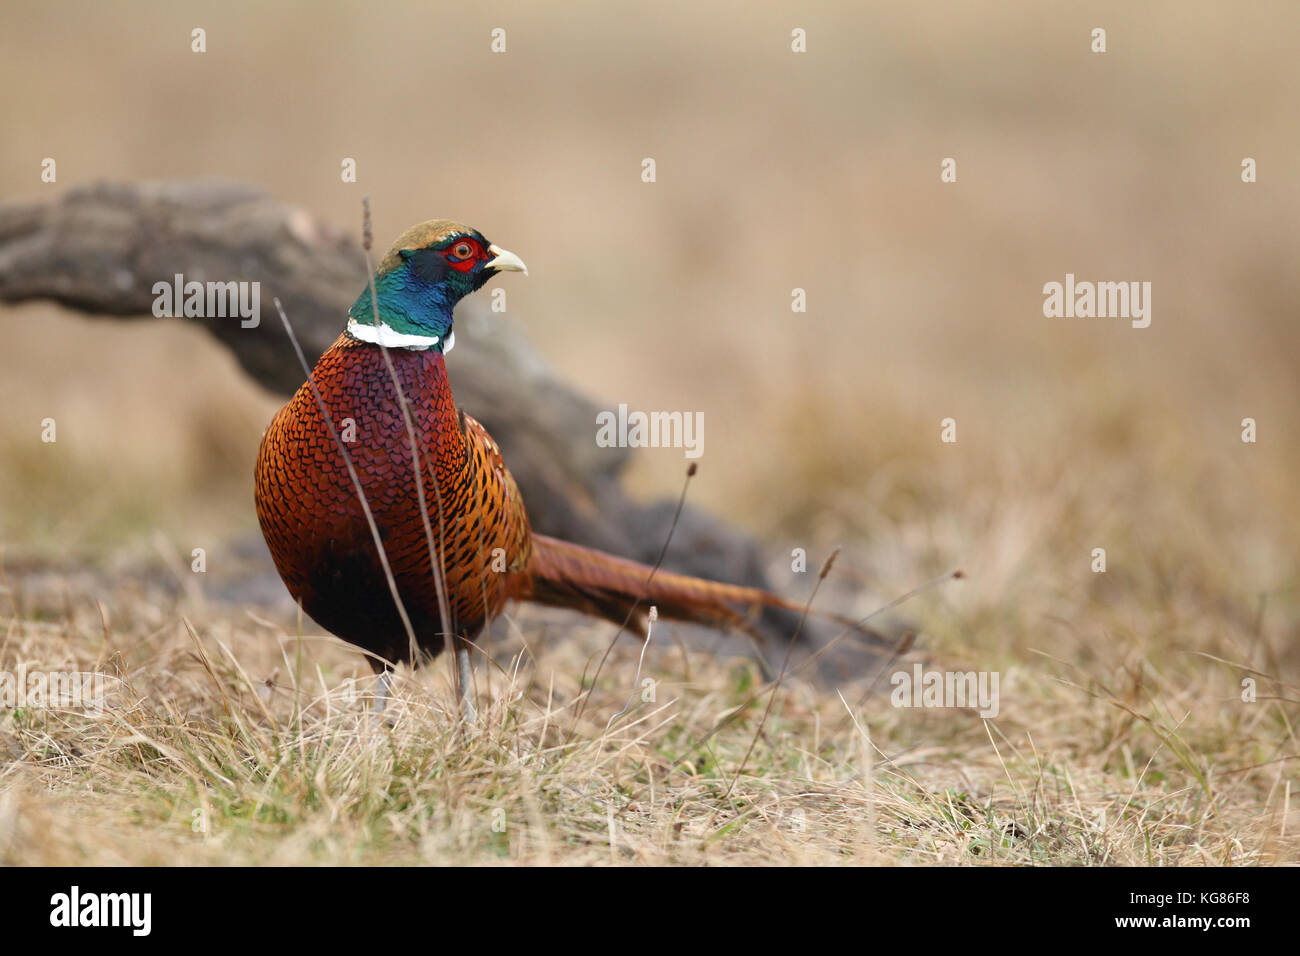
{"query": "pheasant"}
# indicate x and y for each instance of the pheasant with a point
(336, 470)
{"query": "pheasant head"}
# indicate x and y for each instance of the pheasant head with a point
(430, 268)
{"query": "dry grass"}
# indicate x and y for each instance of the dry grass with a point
(243, 744)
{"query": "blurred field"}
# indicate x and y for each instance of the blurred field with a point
(1122, 739)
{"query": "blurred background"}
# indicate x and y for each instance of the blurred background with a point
(775, 170)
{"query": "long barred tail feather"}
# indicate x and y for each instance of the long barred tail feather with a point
(568, 575)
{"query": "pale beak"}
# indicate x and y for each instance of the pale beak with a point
(505, 261)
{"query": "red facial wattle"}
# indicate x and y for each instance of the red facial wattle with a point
(473, 254)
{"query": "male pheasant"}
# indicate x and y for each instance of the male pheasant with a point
(344, 435)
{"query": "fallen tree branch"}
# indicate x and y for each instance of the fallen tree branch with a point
(100, 249)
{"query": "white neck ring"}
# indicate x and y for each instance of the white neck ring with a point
(386, 336)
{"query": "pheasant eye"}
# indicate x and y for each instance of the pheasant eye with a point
(462, 250)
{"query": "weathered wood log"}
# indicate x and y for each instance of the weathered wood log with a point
(101, 248)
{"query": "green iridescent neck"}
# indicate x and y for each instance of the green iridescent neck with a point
(411, 313)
